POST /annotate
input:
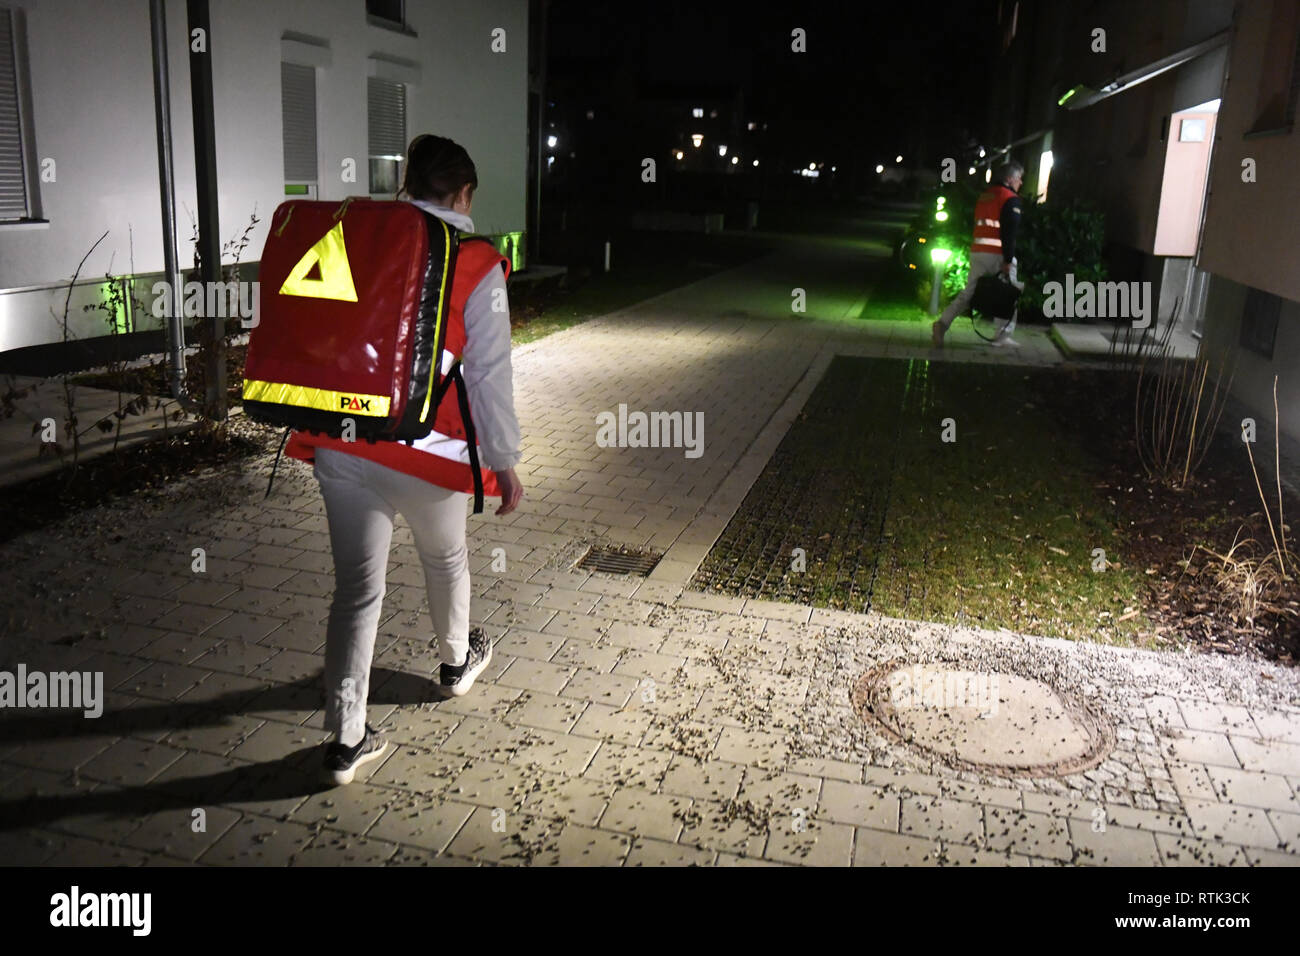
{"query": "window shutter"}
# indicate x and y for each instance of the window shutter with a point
(13, 183)
(298, 103)
(387, 117)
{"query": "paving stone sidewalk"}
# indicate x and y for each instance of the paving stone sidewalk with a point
(623, 721)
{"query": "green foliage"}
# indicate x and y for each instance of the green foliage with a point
(953, 234)
(1058, 238)
(955, 279)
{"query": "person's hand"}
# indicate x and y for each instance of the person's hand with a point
(511, 490)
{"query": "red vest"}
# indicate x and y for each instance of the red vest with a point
(988, 213)
(443, 457)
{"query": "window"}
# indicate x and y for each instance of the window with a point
(390, 10)
(18, 199)
(1279, 75)
(298, 109)
(1259, 322)
(387, 125)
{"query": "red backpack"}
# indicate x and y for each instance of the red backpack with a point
(353, 317)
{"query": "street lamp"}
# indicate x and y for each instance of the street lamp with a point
(939, 257)
(880, 168)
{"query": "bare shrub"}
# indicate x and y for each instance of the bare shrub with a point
(1252, 578)
(1175, 416)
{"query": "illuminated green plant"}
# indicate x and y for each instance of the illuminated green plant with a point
(954, 280)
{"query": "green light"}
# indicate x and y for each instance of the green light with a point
(941, 216)
(510, 245)
(1061, 101)
(940, 255)
(939, 202)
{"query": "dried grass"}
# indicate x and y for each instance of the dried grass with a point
(1252, 579)
(1175, 419)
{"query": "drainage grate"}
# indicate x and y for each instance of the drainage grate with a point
(615, 560)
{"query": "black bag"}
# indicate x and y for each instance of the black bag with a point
(995, 297)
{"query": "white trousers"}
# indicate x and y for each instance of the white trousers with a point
(981, 264)
(361, 498)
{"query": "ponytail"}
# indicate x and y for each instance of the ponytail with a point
(436, 169)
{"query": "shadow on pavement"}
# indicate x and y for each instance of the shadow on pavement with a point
(289, 776)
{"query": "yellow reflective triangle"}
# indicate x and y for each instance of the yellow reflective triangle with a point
(335, 280)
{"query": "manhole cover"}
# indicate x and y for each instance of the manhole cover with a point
(615, 560)
(991, 722)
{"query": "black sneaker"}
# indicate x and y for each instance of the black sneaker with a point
(457, 680)
(341, 762)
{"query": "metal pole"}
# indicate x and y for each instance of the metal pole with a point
(534, 246)
(205, 171)
(167, 195)
(935, 286)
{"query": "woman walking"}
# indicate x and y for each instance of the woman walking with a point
(429, 482)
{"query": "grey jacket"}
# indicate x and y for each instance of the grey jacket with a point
(486, 363)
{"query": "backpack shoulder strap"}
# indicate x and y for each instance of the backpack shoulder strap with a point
(471, 437)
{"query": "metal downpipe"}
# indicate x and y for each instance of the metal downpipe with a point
(167, 195)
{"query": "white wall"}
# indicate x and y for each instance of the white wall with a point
(92, 95)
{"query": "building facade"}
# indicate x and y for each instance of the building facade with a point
(1176, 117)
(311, 99)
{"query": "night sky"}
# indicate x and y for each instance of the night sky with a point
(876, 78)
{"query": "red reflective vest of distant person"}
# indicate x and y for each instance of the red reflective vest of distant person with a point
(988, 219)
